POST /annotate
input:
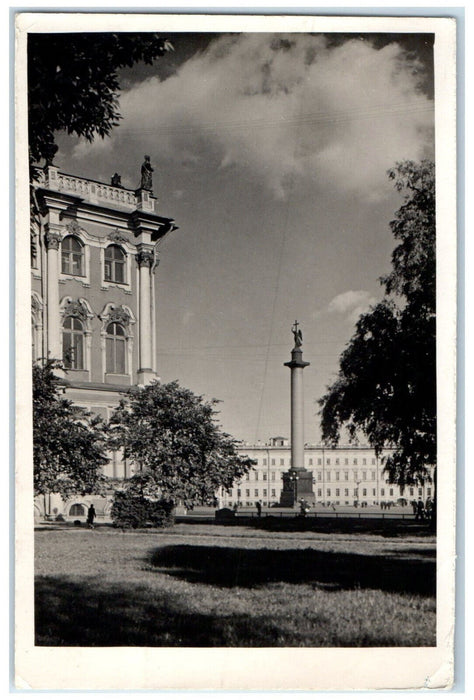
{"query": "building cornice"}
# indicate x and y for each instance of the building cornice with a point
(136, 221)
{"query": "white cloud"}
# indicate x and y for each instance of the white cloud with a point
(285, 108)
(351, 304)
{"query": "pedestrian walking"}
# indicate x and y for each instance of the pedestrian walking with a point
(90, 516)
(259, 508)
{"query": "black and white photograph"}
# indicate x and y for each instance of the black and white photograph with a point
(236, 243)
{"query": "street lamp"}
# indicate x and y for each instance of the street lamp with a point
(294, 478)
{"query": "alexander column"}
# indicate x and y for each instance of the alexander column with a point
(298, 481)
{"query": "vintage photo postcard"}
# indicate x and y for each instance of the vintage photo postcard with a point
(235, 352)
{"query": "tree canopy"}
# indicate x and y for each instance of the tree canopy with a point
(173, 437)
(73, 84)
(386, 385)
(69, 444)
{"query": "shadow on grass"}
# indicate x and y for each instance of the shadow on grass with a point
(230, 566)
(68, 613)
(387, 527)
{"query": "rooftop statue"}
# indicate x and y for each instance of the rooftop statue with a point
(146, 183)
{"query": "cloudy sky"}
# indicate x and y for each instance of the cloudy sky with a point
(270, 152)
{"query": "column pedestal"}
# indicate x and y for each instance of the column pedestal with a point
(297, 485)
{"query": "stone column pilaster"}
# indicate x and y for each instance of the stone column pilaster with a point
(53, 240)
(145, 259)
(297, 366)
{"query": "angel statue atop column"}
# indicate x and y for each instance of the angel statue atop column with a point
(298, 335)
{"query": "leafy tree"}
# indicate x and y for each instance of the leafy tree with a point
(131, 510)
(68, 442)
(73, 84)
(172, 435)
(386, 385)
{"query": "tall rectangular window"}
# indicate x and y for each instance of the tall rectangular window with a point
(115, 349)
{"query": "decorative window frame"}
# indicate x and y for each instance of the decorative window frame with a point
(118, 313)
(117, 238)
(75, 230)
(37, 307)
(81, 309)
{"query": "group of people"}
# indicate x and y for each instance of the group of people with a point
(385, 505)
(421, 510)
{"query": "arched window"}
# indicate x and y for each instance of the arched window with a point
(114, 264)
(77, 509)
(115, 342)
(73, 343)
(72, 256)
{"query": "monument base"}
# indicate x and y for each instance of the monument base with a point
(297, 486)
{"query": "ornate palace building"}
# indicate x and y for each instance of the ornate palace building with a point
(341, 476)
(94, 263)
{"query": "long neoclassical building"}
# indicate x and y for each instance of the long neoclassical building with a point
(93, 268)
(341, 476)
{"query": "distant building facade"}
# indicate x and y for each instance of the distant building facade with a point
(341, 476)
(93, 305)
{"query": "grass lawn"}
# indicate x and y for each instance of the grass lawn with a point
(207, 585)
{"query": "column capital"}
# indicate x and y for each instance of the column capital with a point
(145, 258)
(296, 359)
(52, 240)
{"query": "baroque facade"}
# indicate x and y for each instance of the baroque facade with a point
(93, 266)
(341, 476)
